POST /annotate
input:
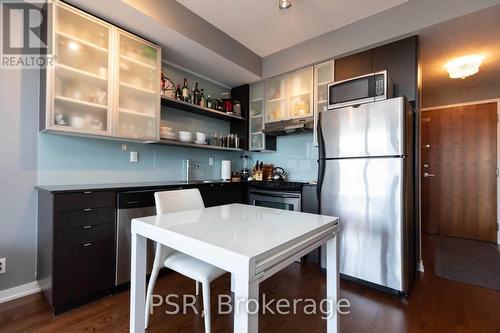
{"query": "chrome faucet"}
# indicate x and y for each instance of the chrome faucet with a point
(190, 165)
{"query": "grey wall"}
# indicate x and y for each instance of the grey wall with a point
(18, 174)
(437, 97)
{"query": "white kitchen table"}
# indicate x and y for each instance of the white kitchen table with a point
(250, 242)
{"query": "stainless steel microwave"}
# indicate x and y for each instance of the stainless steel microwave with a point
(359, 90)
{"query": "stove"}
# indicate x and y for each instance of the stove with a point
(276, 194)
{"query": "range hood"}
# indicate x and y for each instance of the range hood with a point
(292, 126)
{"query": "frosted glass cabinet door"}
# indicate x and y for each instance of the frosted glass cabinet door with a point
(257, 112)
(276, 99)
(300, 89)
(80, 91)
(322, 76)
(138, 87)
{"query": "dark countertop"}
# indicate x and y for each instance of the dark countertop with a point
(130, 186)
(122, 186)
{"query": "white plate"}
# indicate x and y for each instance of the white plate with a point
(200, 142)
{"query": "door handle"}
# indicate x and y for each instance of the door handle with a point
(426, 174)
(427, 146)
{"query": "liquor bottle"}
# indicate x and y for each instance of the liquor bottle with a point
(203, 101)
(185, 91)
(178, 93)
(196, 95)
(209, 102)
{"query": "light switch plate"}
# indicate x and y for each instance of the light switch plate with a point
(134, 157)
(210, 161)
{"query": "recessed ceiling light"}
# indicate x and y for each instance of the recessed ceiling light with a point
(285, 4)
(463, 67)
(73, 46)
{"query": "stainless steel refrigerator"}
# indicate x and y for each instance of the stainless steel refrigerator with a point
(366, 179)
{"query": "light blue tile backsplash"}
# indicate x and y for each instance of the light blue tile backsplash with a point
(77, 160)
(296, 154)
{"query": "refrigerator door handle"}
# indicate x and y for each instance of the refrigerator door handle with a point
(321, 161)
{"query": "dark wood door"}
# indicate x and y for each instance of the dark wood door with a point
(459, 171)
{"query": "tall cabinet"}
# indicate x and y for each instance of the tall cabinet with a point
(323, 74)
(258, 141)
(105, 81)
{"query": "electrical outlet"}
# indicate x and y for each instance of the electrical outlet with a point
(134, 157)
(3, 267)
(210, 161)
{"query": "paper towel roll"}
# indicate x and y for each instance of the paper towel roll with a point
(225, 170)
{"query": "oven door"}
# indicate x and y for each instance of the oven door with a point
(274, 199)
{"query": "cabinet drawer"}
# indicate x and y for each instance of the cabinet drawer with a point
(84, 235)
(83, 200)
(84, 217)
(80, 271)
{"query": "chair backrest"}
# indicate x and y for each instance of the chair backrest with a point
(178, 200)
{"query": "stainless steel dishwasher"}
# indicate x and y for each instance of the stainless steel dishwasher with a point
(131, 205)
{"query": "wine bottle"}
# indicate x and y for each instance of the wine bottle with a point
(203, 101)
(185, 91)
(178, 93)
(196, 95)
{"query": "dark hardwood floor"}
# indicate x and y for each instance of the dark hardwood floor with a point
(434, 305)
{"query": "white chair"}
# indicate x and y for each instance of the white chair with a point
(174, 201)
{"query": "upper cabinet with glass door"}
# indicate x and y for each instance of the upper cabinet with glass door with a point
(276, 99)
(299, 96)
(137, 87)
(256, 118)
(79, 86)
(323, 74)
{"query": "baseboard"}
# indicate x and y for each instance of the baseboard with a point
(421, 266)
(19, 291)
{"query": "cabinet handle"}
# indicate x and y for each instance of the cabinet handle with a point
(87, 244)
(87, 209)
(87, 192)
(87, 226)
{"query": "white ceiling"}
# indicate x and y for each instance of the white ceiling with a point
(263, 28)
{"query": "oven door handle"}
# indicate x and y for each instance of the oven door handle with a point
(276, 194)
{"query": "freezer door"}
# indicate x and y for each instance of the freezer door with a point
(372, 129)
(367, 196)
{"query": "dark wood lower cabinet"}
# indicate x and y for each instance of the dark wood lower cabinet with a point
(221, 194)
(76, 246)
(81, 270)
(77, 239)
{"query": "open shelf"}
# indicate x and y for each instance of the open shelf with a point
(188, 107)
(194, 145)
